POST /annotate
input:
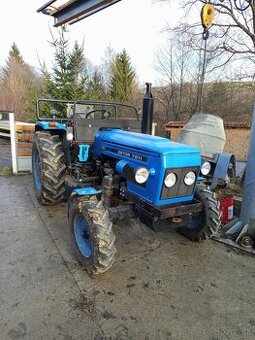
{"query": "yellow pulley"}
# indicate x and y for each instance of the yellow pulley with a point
(207, 15)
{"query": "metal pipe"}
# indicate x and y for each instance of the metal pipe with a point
(247, 215)
(148, 102)
(248, 204)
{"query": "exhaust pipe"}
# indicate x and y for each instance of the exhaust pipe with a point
(147, 117)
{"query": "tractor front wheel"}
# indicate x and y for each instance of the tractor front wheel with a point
(92, 234)
(204, 224)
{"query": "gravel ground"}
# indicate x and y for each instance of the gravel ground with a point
(161, 286)
(5, 153)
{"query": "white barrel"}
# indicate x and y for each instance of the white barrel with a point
(205, 132)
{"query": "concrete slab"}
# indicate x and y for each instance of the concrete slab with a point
(38, 294)
(162, 286)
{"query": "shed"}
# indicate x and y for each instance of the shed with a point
(237, 136)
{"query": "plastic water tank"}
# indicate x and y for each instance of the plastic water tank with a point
(205, 132)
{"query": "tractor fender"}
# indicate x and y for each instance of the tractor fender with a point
(59, 128)
(222, 161)
(82, 192)
(89, 191)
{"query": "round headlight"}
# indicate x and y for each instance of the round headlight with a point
(205, 168)
(141, 175)
(69, 136)
(190, 178)
(170, 180)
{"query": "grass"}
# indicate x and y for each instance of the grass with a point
(6, 171)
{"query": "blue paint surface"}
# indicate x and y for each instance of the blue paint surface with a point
(222, 162)
(87, 191)
(195, 222)
(82, 236)
(45, 126)
(157, 154)
(83, 152)
(37, 170)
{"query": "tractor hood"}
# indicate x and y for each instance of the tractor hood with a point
(143, 142)
(158, 155)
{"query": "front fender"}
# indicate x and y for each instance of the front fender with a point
(222, 161)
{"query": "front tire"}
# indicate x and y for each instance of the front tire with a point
(92, 234)
(204, 224)
(48, 168)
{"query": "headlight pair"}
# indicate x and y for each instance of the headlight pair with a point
(142, 175)
(171, 179)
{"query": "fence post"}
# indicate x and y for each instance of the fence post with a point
(13, 143)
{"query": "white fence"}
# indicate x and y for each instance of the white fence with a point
(21, 135)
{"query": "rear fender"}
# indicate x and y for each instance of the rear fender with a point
(59, 128)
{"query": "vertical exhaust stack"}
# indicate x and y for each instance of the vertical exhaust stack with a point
(148, 103)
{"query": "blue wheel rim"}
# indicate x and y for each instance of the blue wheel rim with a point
(82, 236)
(37, 170)
(195, 222)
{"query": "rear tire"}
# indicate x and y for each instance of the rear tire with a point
(92, 234)
(48, 168)
(205, 223)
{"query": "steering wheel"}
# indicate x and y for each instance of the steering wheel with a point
(105, 114)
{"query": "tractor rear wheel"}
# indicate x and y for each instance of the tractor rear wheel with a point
(204, 224)
(92, 234)
(48, 168)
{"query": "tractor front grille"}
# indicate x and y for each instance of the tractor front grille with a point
(180, 189)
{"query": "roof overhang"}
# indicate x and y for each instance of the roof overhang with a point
(73, 11)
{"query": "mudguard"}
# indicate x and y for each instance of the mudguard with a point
(46, 126)
(89, 191)
(222, 161)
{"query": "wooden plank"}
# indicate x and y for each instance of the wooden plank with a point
(24, 153)
(24, 150)
(22, 128)
(24, 137)
(24, 145)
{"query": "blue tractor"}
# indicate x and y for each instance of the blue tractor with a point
(102, 160)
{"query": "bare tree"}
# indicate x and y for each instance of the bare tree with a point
(232, 34)
(19, 86)
(182, 64)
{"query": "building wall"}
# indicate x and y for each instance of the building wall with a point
(237, 140)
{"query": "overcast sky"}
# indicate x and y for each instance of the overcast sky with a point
(132, 24)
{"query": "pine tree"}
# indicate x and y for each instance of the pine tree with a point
(95, 87)
(122, 81)
(14, 59)
(68, 76)
(15, 53)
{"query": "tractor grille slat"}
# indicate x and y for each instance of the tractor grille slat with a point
(180, 189)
